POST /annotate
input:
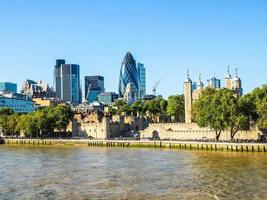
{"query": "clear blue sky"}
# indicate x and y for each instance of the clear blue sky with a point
(168, 36)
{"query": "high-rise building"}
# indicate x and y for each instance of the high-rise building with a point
(142, 79)
(128, 74)
(214, 83)
(7, 87)
(94, 86)
(107, 98)
(67, 82)
(57, 76)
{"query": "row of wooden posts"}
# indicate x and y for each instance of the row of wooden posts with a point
(155, 144)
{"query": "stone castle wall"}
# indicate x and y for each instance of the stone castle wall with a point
(183, 131)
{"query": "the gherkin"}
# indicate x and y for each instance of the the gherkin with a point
(128, 74)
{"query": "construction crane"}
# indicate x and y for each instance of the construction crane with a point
(155, 87)
(88, 91)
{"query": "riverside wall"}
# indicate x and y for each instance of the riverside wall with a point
(184, 131)
(200, 146)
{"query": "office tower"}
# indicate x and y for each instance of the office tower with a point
(94, 85)
(57, 77)
(67, 82)
(107, 98)
(142, 79)
(214, 83)
(70, 83)
(128, 74)
(7, 87)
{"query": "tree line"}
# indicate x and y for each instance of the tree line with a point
(157, 110)
(51, 121)
(222, 110)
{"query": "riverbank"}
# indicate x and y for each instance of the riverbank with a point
(204, 146)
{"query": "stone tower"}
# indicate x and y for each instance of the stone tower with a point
(188, 99)
(237, 84)
(199, 89)
(228, 79)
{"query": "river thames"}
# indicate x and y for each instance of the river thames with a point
(130, 173)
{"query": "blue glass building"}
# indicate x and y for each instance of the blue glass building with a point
(67, 82)
(7, 87)
(214, 83)
(16, 103)
(107, 98)
(142, 79)
(128, 74)
(94, 85)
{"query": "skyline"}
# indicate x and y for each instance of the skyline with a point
(167, 38)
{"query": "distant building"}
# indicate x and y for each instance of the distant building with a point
(141, 79)
(57, 76)
(94, 86)
(128, 75)
(214, 83)
(130, 94)
(37, 89)
(67, 82)
(107, 98)
(234, 84)
(7, 87)
(17, 102)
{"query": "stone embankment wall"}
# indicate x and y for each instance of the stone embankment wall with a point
(183, 131)
(204, 146)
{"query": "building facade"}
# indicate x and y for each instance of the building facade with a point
(142, 79)
(57, 76)
(94, 86)
(235, 83)
(16, 103)
(67, 82)
(7, 87)
(214, 83)
(107, 98)
(128, 74)
(37, 89)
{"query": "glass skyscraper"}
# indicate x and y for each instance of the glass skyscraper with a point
(142, 79)
(7, 87)
(67, 82)
(57, 77)
(94, 85)
(128, 74)
(214, 83)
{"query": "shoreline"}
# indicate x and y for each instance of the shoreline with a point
(186, 145)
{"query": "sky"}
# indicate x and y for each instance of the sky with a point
(168, 36)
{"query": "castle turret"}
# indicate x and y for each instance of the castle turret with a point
(237, 84)
(228, 79)
(188, 99)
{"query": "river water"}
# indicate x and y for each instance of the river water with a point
(130, 173)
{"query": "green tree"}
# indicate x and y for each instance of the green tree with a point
(259, 99)
(175, 107)
(120, 105)
(4, 122)
(236, 115)
(209, 112)
(163, 106)
(63, 115)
